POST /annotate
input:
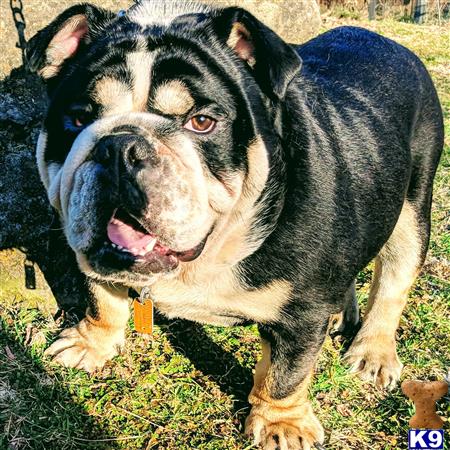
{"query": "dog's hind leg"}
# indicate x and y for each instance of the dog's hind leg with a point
(373, 352)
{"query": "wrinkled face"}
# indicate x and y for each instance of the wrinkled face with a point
(150, 149)
(144, 149)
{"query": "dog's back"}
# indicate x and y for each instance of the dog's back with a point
(367, 141)
(374, 136)
(363, 72)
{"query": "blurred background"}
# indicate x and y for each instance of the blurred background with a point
(418, 11)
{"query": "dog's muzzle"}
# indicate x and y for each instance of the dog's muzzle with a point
(130, 202)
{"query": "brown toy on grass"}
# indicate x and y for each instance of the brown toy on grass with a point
(425, 394)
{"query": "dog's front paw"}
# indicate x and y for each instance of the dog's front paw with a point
(278, 430)
(85, 346)
(375, 359)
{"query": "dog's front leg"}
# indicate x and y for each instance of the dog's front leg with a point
(281, 416)
(100, 335)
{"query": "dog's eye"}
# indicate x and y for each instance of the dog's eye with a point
(77, 119)
(76, 122)
(201, 124)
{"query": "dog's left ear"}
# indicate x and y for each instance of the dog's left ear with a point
(273, 62)
(63, 38)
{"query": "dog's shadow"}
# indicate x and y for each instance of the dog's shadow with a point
(222, 367)
(35, 402)
(37, 410)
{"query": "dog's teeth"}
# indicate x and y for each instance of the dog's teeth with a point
(151, 245)
(120, 247)
(114, 245)
(134, 250)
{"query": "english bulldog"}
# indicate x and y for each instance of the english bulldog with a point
(189, 150)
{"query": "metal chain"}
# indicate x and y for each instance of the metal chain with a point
(19, 21)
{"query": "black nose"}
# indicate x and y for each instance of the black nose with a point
(130, 149)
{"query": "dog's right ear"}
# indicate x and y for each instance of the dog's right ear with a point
(60, 40)
(273, 62)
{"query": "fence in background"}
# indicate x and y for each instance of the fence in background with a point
(419, 11)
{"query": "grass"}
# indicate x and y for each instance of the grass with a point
(186, 388)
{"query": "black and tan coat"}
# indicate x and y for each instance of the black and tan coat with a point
(261, 177)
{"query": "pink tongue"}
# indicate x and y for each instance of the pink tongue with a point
(126, 236)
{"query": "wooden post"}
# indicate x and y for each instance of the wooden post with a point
(420, 11)
(372, 9)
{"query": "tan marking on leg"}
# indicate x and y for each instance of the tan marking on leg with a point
(99, 336)
(373, 353)
(173, 97)
(291, 420)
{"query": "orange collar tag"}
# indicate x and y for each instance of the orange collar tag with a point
(143, 313)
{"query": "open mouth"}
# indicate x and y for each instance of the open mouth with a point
(127, 236)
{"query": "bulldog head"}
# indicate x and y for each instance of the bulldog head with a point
(161, 130)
